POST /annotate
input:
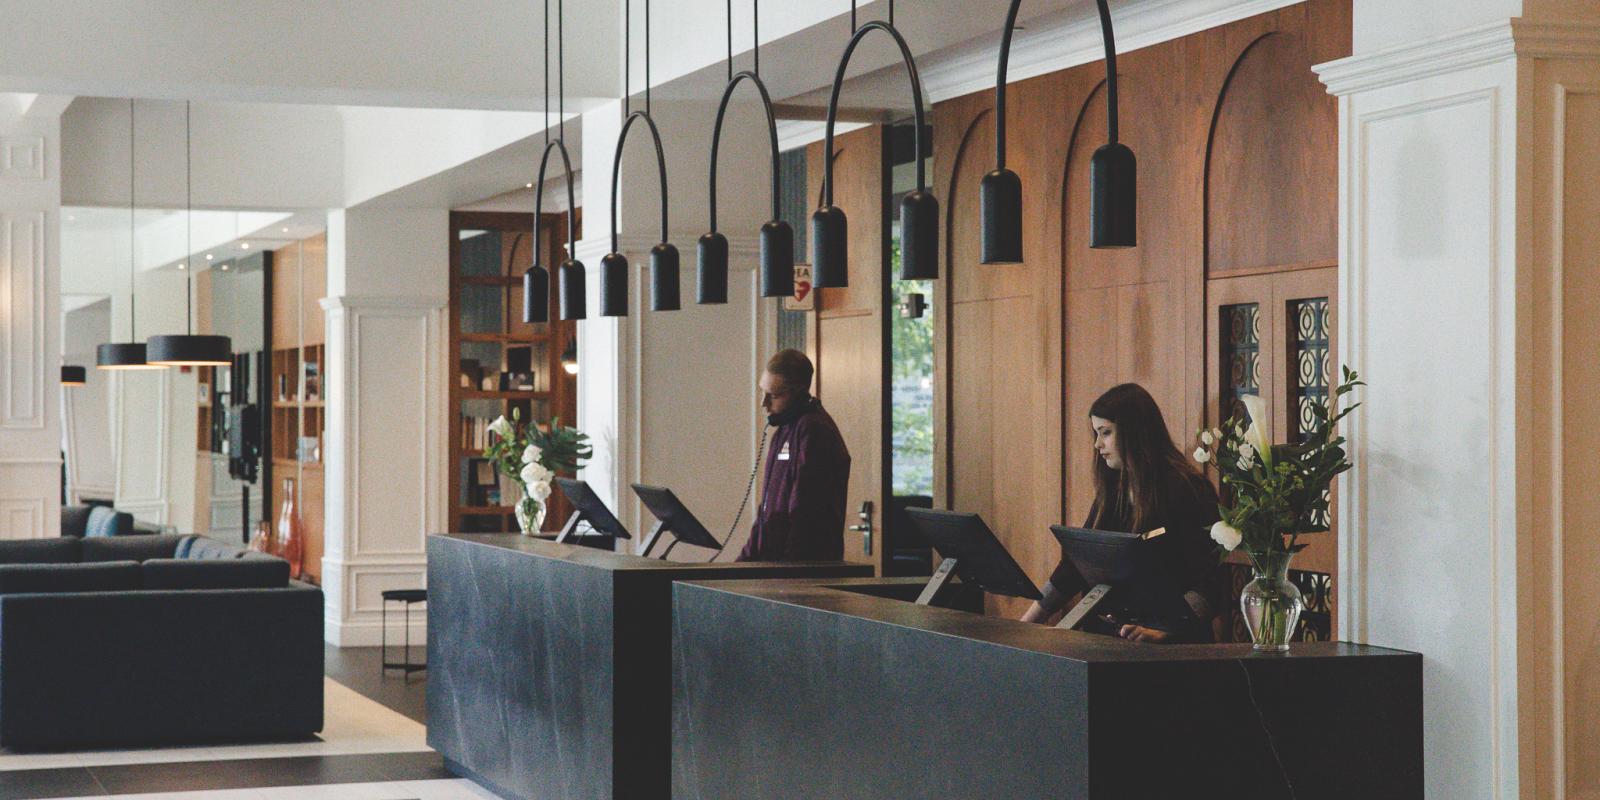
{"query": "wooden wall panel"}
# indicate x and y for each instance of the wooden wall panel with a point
(313, 287)
(1027, 348)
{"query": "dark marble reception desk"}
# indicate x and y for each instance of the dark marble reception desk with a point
(549, 670)
(811, 691)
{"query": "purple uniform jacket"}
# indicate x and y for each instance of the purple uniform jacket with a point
(801, 516)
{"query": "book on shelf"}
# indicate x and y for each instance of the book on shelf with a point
(475, 433)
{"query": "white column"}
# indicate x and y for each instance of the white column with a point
(669, 396)
(386, 426)
(30, 346)
(1449, 546)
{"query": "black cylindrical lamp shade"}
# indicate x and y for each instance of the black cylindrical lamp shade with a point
(1113, 197)
(614, 285)
(574, 294)
(664, 291)
(1001, 214)
(189, 350)
(73, 375)
(777, 259)
(536, 295)
(919, 237)
(712, 261)
(122, 355)
(830, 250)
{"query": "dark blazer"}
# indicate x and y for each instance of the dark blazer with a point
(801, 516)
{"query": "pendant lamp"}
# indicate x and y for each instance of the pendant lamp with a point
(536, 281)
(1113, 170)
(189, 349)
(664, 256)
(777, 237)
(569, 357)
(919, 210)
(129, 354)
(73, 375)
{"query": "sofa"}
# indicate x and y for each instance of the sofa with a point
(97, 519)
(161, 639)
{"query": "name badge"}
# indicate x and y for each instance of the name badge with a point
(783, 455)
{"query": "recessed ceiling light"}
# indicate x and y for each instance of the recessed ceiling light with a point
(244, 245)
(285, 230)
(224, 266)
(208, 256)
(182, 265)
(71, 218)
(527, 186)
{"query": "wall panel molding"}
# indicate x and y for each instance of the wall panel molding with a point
(22, 158)
(22, 299)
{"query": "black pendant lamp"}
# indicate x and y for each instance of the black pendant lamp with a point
(189, 349)
(73, 375)
(129, 354)
(664, 261)
(536, 281)
(777, 237)
(1113, 170)
(919, 210)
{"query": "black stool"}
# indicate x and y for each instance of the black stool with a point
(407, 597)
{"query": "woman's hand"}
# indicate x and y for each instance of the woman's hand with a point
(1139, 633)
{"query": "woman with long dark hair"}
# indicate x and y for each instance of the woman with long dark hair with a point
(1143, 484)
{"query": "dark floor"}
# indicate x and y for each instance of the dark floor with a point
(357, 669)
(213, 775)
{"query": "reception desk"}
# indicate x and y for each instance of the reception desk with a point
(812, 690)
(549, 674)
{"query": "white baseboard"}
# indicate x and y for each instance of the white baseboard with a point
(370, 634)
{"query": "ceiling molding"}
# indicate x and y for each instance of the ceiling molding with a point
(1465, 49)
(1578, 40)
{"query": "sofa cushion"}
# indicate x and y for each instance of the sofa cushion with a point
(239, 573)
(206, 548)
(74, 520)
(104, 576)
(105, 521)
(64, 550)
(129, 548)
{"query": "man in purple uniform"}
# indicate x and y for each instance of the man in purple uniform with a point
(801, 516)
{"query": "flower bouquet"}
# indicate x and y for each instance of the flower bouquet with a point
(531, 456)
(1273, 494)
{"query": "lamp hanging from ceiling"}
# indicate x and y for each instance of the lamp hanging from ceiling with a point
(919, 210)
(663, 256)
(1113, 170)
(129, 354)
(72, 375)
(536, 281)
(189, 349)
(777, 237)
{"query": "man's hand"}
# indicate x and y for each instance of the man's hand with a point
(1139, 633)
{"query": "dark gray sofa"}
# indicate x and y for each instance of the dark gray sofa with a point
(140, 640)
(97, 519)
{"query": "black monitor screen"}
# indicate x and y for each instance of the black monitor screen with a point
(1142, 585)
(592, 508)
(980, 558)
(674, 517)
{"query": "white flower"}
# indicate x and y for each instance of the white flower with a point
(532, 454)
(1201, 455)
(1256, 434)
(501, 427)
(1246, 451)
(534, 473)
(1216, 433)
(1207, 439)
(1226, 535)
(540, 490)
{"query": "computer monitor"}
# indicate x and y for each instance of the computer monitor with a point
(1125, 577)
(971, 551)
(588, 507)
(672, 517)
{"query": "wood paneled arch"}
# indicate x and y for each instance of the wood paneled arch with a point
(1026, 348)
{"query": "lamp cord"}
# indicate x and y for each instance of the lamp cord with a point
(561, 74)
(188, 222)
(133, 249)
(1111, 72)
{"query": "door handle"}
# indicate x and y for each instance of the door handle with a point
(865, 528)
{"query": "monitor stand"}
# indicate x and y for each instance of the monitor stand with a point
(941, 576)
(571, 527)
(655, 536)
(1091, 599)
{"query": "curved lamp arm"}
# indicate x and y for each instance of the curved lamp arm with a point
(536, 281)
(919, 211)
(777, 238)
(663, 257)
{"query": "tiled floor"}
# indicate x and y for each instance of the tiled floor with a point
(372, 747)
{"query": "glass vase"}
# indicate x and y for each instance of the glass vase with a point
(1271, 602)
(291, 541)
(530, 515)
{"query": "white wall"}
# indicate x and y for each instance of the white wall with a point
(88, 407)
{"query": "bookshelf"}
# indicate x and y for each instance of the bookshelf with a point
(295, 387)
(499, 362)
